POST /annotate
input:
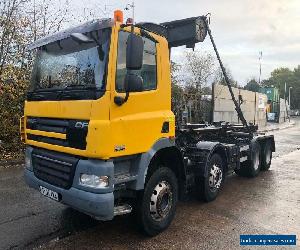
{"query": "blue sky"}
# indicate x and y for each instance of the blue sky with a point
(241, 29)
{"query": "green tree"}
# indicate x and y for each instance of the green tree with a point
(21, 23)
(252, 85)
(278, 79)
(281, 76)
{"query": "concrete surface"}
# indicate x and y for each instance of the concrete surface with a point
(268, 204)
(271, 126)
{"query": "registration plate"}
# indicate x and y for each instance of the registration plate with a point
(49, 193)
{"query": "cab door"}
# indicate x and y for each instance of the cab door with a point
(137, 124)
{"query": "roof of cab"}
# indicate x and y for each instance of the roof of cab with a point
(83, 28)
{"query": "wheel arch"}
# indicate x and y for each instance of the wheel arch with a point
(262, 141)
(165, 151)
(213, 148)
(221, 150)
(170, 157)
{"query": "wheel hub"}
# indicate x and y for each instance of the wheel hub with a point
(161, 201)
(215, 177)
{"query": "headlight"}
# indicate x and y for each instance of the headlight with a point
(94, 181)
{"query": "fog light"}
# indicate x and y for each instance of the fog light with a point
(94, 181)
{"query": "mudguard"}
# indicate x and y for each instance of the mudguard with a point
(202, 153)
(144, 161)
(265, 138)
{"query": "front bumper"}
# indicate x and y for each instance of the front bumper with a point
(98, 203)
(99, 206)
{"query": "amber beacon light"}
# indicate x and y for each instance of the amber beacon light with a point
(118, 16)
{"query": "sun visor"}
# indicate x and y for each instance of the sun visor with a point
(84, 28)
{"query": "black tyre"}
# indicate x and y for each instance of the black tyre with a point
(209, 187)
(266, 157)
(251, 167)
(157, 205)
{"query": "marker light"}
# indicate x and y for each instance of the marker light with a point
(118, 16)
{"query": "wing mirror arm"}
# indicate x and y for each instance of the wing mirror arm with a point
(120, 100)
(132, 83)
(134, 61)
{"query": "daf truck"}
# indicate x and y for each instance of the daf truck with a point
(100, 133)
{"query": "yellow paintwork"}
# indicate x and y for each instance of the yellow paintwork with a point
(47, 134)
(136, 125)
(22, 129)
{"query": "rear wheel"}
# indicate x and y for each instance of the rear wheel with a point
(157, 204)
(251, 167)
(266, 157)
(210, 185)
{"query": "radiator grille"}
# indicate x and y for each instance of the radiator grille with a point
(54, 168)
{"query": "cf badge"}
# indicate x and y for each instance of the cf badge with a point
(81, 125)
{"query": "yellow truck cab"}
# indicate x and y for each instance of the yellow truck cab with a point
(99, 129)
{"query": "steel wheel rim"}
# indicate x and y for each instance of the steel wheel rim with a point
(215, 177)
(161, 201)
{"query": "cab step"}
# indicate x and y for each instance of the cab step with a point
(123, 209)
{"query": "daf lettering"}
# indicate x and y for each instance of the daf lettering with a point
(81, 125)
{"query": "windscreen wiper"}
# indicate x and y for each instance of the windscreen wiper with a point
(67, 92)
(34, 96)
(79, 86)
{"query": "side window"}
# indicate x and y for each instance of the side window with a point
(148, 71)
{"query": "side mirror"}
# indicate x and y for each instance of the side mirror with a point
(134, 52)
(133, 83)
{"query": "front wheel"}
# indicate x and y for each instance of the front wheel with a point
(157, 204)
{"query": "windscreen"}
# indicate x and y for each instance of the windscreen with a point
(72, 64)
